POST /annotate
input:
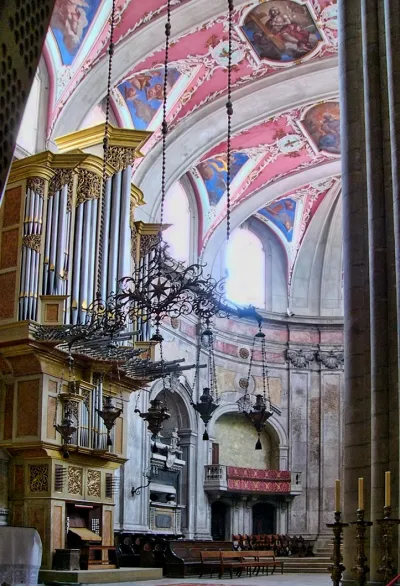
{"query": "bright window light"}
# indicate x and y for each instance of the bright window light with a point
(177, 213)
(246, 269)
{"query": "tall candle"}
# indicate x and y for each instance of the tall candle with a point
(387, 489)
(337, 495)
(361, 494)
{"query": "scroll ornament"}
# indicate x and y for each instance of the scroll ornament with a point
(121, 157)
(32, 241)
(332, 360)
(36, 184)
(88, 186)
(62, 177)
(300, 358)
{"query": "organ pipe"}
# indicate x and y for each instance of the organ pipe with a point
(76, 264)
(92, 251)
(105, 240)
(49, 222)
(61, 237)
(53, 244)
(124, 228)
(84, 277)
(114, 229)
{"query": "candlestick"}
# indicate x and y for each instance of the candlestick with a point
(361, 569)
(387, 489)
(337, 495)
(387, 567)
(361, 494)
(337, 568)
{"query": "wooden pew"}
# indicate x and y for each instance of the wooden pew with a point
(182, 557)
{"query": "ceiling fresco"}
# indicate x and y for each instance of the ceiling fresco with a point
(290, 215)
(269, 37)
(270, 150)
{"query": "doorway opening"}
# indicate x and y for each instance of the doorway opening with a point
(264, 519)
(219, 521)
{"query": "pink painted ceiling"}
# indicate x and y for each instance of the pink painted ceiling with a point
(268, 38)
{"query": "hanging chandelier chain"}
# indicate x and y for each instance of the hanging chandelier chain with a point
(264, 368)
(229, 111)
(196, 371)
(215, 389)
(250, 366)
(106, 145)
(164, 126)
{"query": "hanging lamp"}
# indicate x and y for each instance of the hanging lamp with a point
(208, 401)
(260, 411)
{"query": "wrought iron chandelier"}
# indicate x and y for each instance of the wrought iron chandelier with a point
(260, 411)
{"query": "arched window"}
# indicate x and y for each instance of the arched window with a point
(246, 269)
(177, 213)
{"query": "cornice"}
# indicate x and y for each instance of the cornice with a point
(137, 196)
(88, 137)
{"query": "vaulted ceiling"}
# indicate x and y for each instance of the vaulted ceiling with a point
(286, 137)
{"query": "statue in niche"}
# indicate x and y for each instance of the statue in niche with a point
(173, 451)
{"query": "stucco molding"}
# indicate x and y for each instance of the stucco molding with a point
(332, 360)
(300, 358)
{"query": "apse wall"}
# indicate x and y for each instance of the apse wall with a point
(305, 365)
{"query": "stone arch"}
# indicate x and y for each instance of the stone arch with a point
(274, 428)
(212, 251)
(179, 405)
(206, 128)
(306, 287)
(275, 298)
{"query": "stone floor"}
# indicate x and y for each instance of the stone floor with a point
(278, 580)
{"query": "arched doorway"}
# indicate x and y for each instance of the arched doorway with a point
(219, 521)
(264, 519)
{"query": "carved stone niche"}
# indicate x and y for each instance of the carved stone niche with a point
(331, 359)
(300, 358)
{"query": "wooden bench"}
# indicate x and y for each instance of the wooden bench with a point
(265, 560)
(251, 561)
(230, 560)
(183, 557)
(210, 560)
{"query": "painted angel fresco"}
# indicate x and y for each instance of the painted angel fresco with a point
(70, 22)
(281, 30)
(215, 171)
(282, 213)
(322, 124)
(143, 94)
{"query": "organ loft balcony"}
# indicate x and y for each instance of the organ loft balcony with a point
(232, 479)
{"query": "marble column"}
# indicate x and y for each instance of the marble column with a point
(369, 95)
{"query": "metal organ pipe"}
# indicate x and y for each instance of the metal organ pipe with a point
(114, 228)
(46, 271)
(106, 237)
(53, 243)
(76, 266)
(92, 251)
(124, 228)
(61, 238)
(84, 279)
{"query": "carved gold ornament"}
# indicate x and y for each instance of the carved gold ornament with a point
(120, 157)
(32, 241)
(94, 483)
(36, 184)
(88, 187)
(62, 177)
(39, 478)
(75, 477)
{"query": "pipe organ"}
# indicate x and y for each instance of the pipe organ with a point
(60, 243)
